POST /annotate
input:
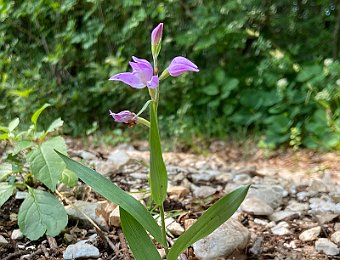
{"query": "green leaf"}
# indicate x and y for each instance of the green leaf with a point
(5, 168)
(45, 164)
(308, 72)
(139, 241)
(69, 178)
(37, 113)
(21, 145)
(158, 175)
(54, 125)
(13, 124)
(211, 90)
(215, 216)
(230, 85)
(115, 194)
(6, 191)
(41, 213)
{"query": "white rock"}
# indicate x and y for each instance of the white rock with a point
(81, 250)
(310, 234)
(178, 191)
(21, 195)
(336, 237)
(173, 227)
(297, 206)
(242, 179)
(337, 226)
(3, 240)
(188, 223)
(262, 222)
(256, 206)
(87, 155)
(318, 186)
(16, 234)
(326, 246)
(318, 205)
(281, 229)
(81, 209)
(203, 191)
(283, 214)
(271, 194)
(205, 175)
(119, 158)
(230, 236)
(114, 218)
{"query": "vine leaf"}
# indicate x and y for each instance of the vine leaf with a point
(41, 213)
(45, 164)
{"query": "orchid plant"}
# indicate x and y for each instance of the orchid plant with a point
(137, 222)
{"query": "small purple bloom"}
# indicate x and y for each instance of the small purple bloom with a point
(124, 116)
(179, 65)
(156, 35)
(141, 75)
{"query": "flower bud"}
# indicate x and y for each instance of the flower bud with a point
(124, 116)
(156, 40)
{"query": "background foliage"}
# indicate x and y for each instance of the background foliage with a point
(267, 67)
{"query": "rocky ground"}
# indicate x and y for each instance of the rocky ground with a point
(291, 212)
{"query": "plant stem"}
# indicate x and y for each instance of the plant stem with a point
(161, 210)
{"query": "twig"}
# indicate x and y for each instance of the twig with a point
(52, 242)
(15, 255)
(123, 245)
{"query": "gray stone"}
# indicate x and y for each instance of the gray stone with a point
(310, 234)
(336, 237)
(271, 194)
(81, 209)
(318, 186)
(256, 207)
(114, 218)
(242, 179)
(319, 205)
(303, 195)
(281, 229)
(81, 250)
(173, 227)
(262, 222)
(297, 206)
(284, 215)
(327, 217)
(226, 239)
(207, 175)
(203, 191)
(337, 226)
(119, 158)
(3, 240)
(325, 246)
(87, 155)
(21, 195)
(16, 234)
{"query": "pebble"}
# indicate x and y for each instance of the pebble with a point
(188, 223)
(262, 222)
(173, 227)
(242, 179)
(336, 237)
(256, 206)
(297, 206)
(319, 205)
(21, 195)
(114, 218)
(81, 250)
(119, 158)
(284, 215)
(178, 191)
(324, 218)
(318, 186)
(337, 226)
(79, 208)
(303, 195)
(16, 234)
(3, 240)
(203, 191)
(281, 229)
(221, 243)
(207, 175)
(87, 155)
(310, 234)
(326, 246)
(271, 194)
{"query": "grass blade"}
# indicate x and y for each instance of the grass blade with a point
(215, 216)
(115, 194)
(139, 241)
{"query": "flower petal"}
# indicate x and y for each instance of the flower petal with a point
(153, 83)
(130, 79)
(180, 65)
(144, 71)
(143, 61)
(124, 116)
(156, 35)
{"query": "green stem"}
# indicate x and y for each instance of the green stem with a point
(143, 121)
(161, 209)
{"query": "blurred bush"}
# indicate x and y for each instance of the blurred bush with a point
(269, 67)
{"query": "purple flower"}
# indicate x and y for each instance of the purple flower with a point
(124, 116)
(141, 75)
(179, 65)
(156, 35)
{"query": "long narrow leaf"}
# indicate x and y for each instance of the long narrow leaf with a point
(115, 194)
(215, 216)
(139, 241)
(158, 174)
